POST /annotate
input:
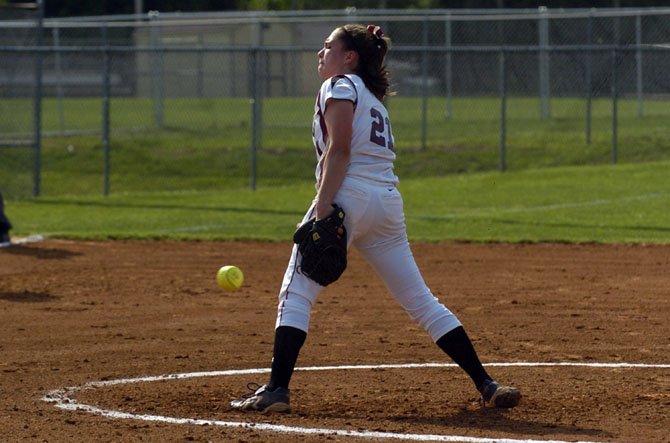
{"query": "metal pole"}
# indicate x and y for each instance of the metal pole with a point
(638, 61)
(448, 67)
(257, 92)
(616, 23)
(617, 39)
(199, 67)
(502, 149)
(157, 68)
(261, 73)
(59, 77)
(284, 68)
(588, 77)
(543, 29)
(37, 101)
(294, 58)
(424, 85)
(614, 107)
(105, 109)
(234, 71)
(255, 117)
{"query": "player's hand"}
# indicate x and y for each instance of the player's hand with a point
(323, 210)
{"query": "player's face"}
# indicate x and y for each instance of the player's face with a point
(334, 59)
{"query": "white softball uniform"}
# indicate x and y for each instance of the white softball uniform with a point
(374, 220)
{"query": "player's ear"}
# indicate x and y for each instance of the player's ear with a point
(351, 58)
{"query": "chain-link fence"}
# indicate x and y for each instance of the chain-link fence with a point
(173, 102)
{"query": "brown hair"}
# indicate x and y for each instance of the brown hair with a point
(371, 46)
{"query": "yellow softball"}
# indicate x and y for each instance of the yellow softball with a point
(230, 278)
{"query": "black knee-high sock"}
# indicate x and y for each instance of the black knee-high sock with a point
(458, 346)
(288, 341)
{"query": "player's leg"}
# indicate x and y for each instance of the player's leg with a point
(389, 252)
(296, 297)
(299, 293)
(458, 346)
(396, 266)
(293, 314)
(385, 246)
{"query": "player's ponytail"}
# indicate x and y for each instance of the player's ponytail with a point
(371, 45)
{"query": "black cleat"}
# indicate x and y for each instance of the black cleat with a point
(495, 395)
(263, 400)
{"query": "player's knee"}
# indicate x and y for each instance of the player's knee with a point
(419, 306)
(431, 315)
(294, 310)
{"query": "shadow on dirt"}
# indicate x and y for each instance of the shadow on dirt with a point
(487, 420)
(41, 253)
(498, 420)
(27, 297)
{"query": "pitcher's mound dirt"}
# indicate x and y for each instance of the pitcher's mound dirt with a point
(73, 312)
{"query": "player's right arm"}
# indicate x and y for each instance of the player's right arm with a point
(338, 116)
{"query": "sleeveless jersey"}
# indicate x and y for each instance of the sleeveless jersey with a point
(372, 141)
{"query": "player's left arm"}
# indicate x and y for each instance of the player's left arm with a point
(339, 117)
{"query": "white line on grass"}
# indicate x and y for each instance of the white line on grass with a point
(489, 212)
(199, 228)
(63, 400)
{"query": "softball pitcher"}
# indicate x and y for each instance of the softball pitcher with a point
(354, 148)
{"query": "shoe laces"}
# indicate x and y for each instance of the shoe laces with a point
(253, 387)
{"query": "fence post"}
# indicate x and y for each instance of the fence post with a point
(502, 149)
(614, 107)
(256, 104)
(255, 115)
(261, 72)
(55, 33)
(424, 84)
(589, 53)
(232, 69)
(543, 29)
(105, 108)
(448, 67)
(199, 66)
(638, 62)
(157, 68)
(37, 101)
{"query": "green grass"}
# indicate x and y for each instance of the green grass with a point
(611, 204)
(190, 178)
(205, 143)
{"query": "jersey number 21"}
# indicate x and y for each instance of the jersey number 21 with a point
(380, 133)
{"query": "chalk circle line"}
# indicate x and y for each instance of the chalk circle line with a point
(63, 399)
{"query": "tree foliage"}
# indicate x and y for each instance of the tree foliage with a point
(65, 8)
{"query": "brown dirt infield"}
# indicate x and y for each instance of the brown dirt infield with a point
(77, 311)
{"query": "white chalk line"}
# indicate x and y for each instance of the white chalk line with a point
(491, 212)
(63, 400)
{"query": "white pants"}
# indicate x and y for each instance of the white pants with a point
(375, 224)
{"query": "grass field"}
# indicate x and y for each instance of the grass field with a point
(623, 203)
(204, 143)
(191, 178)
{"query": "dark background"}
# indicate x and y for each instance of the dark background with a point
(67, 8)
